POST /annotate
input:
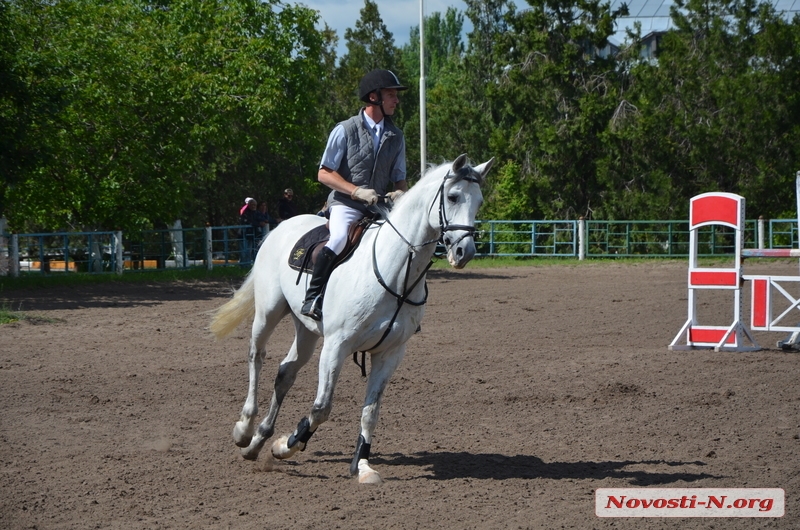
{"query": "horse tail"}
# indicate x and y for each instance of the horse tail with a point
(242, 306)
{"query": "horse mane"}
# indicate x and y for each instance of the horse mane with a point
(435, 175)
(426, 187)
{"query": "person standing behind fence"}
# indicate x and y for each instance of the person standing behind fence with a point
(265, 221)
(286, 207)
(248, 218)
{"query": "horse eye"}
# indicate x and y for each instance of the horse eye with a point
(452, 198)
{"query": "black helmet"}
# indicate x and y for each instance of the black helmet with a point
(376, 80)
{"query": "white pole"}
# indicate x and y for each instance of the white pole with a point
(209, 254)
(118, 251)
(797, 194)
(422, 115)
(13, 259)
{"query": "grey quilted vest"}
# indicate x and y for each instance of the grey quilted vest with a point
(360, 165)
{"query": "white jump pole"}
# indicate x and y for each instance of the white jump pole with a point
(797, 195)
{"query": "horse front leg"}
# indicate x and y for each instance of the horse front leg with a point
(383, 366)
(301, 351)
(330, 366)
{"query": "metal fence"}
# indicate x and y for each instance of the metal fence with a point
(98, 252)
(106, 252)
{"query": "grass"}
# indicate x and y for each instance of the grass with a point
(8, 316)
(36, 280)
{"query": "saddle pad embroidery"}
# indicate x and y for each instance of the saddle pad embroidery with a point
(300, 256)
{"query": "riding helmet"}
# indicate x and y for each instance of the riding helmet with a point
(376, 80)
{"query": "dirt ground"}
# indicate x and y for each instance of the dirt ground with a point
(526, 390)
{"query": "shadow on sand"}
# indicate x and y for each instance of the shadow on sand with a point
(447, 466)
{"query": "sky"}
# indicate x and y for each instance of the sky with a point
(398, 15)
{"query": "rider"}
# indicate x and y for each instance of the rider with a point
(364, 154)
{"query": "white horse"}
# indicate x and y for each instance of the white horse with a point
(373, 302)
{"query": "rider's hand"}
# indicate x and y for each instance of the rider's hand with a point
(365, 195)
(394, 195)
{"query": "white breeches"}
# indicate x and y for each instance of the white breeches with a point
(341, 219)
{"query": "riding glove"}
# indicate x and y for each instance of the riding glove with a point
(394, 195)
(366, 195)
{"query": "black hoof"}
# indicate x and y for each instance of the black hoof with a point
(243, 443)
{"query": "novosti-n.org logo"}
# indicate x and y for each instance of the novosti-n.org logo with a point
(689, 502)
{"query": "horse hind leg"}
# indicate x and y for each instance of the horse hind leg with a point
(263, 325)
(299, 354)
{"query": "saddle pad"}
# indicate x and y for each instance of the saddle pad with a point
(300, 256)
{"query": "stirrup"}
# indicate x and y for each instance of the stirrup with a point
(311, 309)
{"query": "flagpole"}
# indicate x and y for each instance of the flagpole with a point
(422, 114)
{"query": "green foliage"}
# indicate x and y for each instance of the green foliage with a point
(444, 53)
(148, 115)
(718, 111)
(130, 114)
(369, 45)
(510, 198)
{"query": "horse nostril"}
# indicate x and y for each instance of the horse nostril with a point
(460, 252)
(447, 240)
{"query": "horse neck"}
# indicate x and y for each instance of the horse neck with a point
(410, 219)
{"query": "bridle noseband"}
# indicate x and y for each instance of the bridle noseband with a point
(465, 173)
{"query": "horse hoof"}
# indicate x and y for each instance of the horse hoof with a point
(249, 455)
(370, 477)
(241, 437)
(251, 451)
(281, 451)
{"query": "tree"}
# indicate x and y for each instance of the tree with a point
(164, 111)
(369, 45)
(717, 111)
(444, 50)
(460, 115)
(553, 101)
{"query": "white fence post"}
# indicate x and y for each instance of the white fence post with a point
(118, 249)
(581, 238)
(13, 265)
(761, 232)
(4, 269)
(209, 256)
(178, 250)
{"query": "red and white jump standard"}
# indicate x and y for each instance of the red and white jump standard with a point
(726, 209)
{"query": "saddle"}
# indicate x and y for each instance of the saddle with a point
(305, 251)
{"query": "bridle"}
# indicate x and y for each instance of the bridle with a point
(465, 173)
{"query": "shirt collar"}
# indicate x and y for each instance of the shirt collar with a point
(371, 124)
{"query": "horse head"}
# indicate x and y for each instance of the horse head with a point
(459, 199)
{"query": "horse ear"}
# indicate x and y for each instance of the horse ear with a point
(484, 168)
(459, 162)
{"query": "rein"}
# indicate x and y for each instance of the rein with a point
(444, 226)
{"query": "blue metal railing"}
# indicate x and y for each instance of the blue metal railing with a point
(99, 252)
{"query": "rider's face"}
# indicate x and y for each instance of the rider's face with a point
(390, 100)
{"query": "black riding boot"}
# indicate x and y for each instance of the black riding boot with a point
(312, 306)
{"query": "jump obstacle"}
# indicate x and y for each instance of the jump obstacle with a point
(727, 209)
